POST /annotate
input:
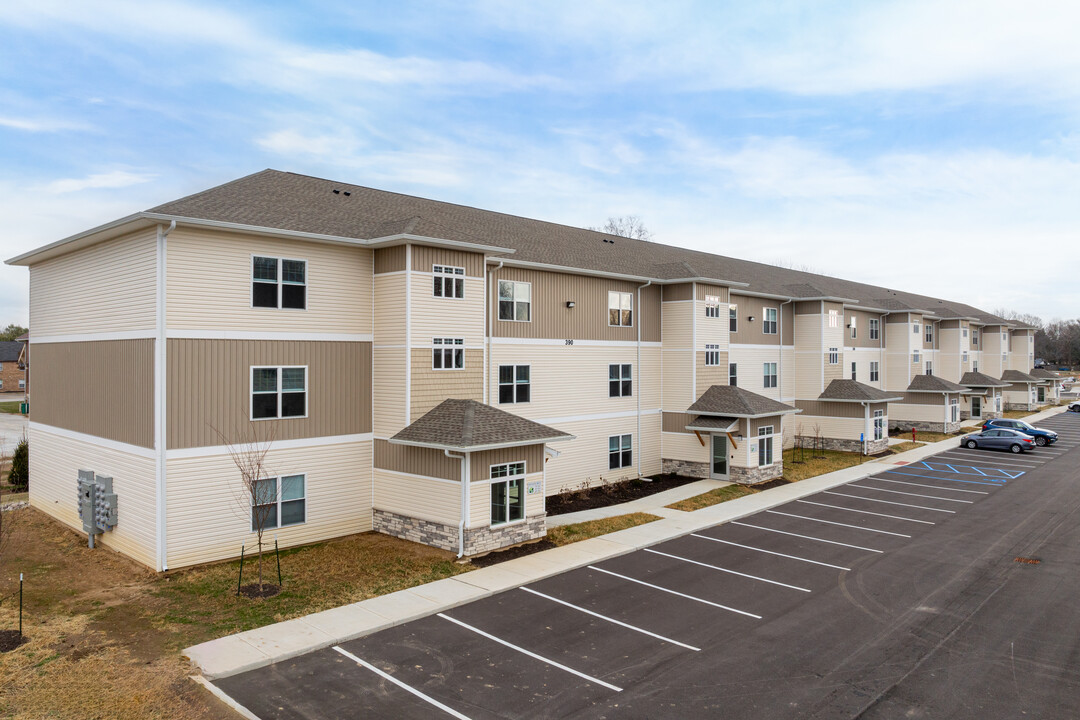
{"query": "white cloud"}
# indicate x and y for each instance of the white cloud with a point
(110, 180)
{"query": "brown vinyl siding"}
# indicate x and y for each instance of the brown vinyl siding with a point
(677, 293)
(430, 387)
(209, 389)
(391, 259)
(758, 423)
(750, 333)
(823, 408)
(103, 388)
(807, 307)
(480, 463)
(897, 317)
(862, 326)
(424, 257)
(588, 320)
(709, 375)
(428, 462)
(676, 422)
(714, 290)
(920, 398)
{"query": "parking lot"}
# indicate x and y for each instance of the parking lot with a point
(938, 588)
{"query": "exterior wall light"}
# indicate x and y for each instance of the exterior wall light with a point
(570, 304)
(751, 318)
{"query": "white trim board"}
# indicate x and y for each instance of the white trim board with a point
(148, 453)
(208, 450)
(264, 335)
(148, 334)
(597, 416)
(561, 342)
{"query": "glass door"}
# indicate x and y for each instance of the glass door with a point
(719, 457)
(976, 407)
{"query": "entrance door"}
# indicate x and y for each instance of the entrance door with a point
(976, 407)
(1042, 394)
(719, 457)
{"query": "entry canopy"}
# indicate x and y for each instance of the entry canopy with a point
(714, 423)
(852, 391)
(468, 426)
(934, 384)
(1015, 376)
(735, 402)
(981, 380)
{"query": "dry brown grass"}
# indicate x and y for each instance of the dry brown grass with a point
(925, 436)
(1017, 414)
(712, 497)
(904, 447)
(566, 534)
(830, 461)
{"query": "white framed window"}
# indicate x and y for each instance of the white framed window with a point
(929, 368)
(929, 335)
(515, 301)
(22, 384)
(278, 392)
(915, 328)
(874, 377)
(620, 382)
(765, 446)
(964, 356)
(448, 281)
(712, 354)
(1004, 337)
(733, 318)
(514, 384)
(879, 424)
(507, 493)
(1004, 360)
(834, 356)
(620, 309)
(974, 366)
(768, 325)
(447, 353)
(279, 502)
(278, 283)
(916, 358)
(954, 410)
(769, 372)
(974, 338)
(875, 328)
(732, 374)
(620, 451)
(712, 306)
(1, 383)
(965, 332)
(834, 318)
(854, 326)
(853, 372)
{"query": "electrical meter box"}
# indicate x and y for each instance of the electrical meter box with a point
(97, 503)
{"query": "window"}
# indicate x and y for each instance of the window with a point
(768, 325)
(712, 354)
(873, 372)
(620, 454)
(1004, 337)
(619, 381)
(834, 318)
(732, 374)
(22, 384)
(770, 374)
(507, 493)
(764, 447)
(974, 338)
(929, 368)
(733, 318)
(929, 336)
(965, 332)
(853, 371)
(620, 309)
(449, 281)
(278, 392)
(278, 502)
(964, 356)
(712, 306)
(974, 366)
(1004, 359)
(278, 283)
(854, 327)
(954, 411)
(916, 358)
(1, 383)
(879, 424)
(834, 356)
(874, 328)
(447, 353)
(515, 301)
(514, 384)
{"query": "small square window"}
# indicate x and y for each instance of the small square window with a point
(278, 283)
(620, 383)
(620, 309)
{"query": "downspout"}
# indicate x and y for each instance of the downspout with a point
(464, 498)
(160, 391)
(693, 340)
(780, 364)
(824, 351)
(488, 322)
(637, 371)
(881, 347)
(408, 334)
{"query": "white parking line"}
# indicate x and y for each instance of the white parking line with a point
(620, 623)
(770, 552)
(889, 502)
(448, 710)
(674, 592)
(933, 487)
(898, 492)
(805, 537)
(830, 522)
(865, 512)
(531, 654)
(732, 572)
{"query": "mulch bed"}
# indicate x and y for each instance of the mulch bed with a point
(252, 591)
(778, 482)
(11, 639)
(513, 552)
(603, 496)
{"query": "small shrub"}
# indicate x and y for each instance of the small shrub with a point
(19, 476)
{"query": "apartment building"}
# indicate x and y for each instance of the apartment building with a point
(435, 371)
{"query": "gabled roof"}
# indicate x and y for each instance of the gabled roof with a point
(468, 425)
(25, 337)
(852, 391)
(933, 383)
(713, 423)
(1042, 374)
(1015, 376)
(737, 402)
(9, 350)
(978, 379)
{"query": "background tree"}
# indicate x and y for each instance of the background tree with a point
(627, 226)
(12, 331)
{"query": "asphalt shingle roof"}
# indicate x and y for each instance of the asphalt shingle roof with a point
(712, 422)
(468, 424)
(933, 383)
(737, 402)
(978, 379)
(9, 350)
(850, 390)
(1043, 374)
(1015, 376)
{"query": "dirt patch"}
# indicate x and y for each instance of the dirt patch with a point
(11, 639)
(255, 591)
(608, 494)
(493, 558)
(564, 535)
(778, 482)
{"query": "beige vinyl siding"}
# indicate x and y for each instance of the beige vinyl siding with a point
(532, 455)
(429, 462)
(108, 287)
(209, 389)
(209, 284)
(209, 516)
(826, 408)
(587, 320)
(650, 444)
(432, 317)
(807, 356)
(862, 359)
(480, 502)
(390, 310)
(430, 387)
(709, 375)
(678, 380)
(683, 446)
(834, 371)
(751, 362)
(55, 464)
(839, 428)
(418, 497)
(424, 257)
(898, 349)
(678, 324)
(924, 413)
(391, 259)
(585, 459)
(750, 333)
(389, 404)
(102, 388)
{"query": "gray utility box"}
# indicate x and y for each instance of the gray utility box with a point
(97, 503)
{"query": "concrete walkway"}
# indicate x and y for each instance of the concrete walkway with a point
(262, 646)
(12, 429)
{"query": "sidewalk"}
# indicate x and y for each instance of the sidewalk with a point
(273, 643)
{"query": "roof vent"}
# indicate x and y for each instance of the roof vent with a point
(347, 193)
(336, 192)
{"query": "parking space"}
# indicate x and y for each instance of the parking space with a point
(598, 641)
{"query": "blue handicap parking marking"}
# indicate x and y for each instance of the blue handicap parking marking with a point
(965, 470)
(989, 481)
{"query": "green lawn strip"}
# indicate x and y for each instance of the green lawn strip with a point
(11, 408)
(712, 497)
(566, 534)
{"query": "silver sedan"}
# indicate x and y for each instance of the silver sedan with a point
(999, 439)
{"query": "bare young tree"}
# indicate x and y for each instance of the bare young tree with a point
(627, 226)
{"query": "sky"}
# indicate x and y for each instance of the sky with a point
(928, 146)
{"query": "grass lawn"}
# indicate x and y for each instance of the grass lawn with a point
(713, 497)
(813, 466)
(10, 407)
(904, 447)
(1017, 414)
(925, 436)
(566, 534)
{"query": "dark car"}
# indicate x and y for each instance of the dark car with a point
(1042, 437)
(999, 439)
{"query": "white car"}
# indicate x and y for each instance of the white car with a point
(1074, 406)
